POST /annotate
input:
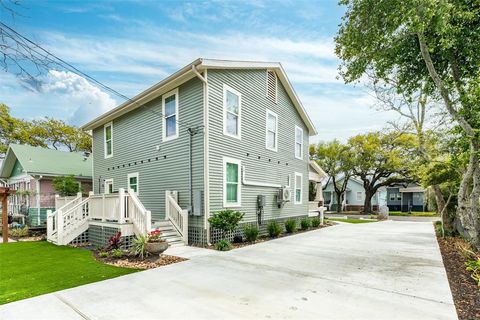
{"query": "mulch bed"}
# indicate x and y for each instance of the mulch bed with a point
(261, 239)
(465, 292)
(134, 262)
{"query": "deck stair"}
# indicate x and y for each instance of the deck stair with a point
(169, 233)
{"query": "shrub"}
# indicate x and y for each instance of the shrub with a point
(223, 245)
(103, 254)
(290, 225)
(138, 247)
(18, 232)
(115, 242)
(116, 253)
(316, 222)
(251, 233)
(225, 220)
(274, 229)
(474, 267)
(305, 224)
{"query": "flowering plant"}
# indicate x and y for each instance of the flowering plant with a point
(154, 236)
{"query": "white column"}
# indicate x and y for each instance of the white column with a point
(121, 207)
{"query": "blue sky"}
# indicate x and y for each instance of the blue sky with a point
(131, 45)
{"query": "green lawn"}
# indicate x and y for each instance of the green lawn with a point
(413, 214)
(351, 220)
(29, 269)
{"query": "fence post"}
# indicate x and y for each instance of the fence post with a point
(121, 206)
(59, 225)
(103, 207)
(57, 198)
(167, 204)
(50, 223)
(148, 221)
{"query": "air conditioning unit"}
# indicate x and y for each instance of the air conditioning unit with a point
(284, 195)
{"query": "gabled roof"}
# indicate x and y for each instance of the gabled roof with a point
(187, 73)
(317, 169)
(47, 162)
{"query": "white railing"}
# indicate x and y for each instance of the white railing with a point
(107, 207)
(176, 215)
(136, 213)
(60, 202)
(121, 208)
(66, 220)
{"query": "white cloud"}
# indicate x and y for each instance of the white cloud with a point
(82, 100)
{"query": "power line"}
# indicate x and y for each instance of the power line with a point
(73, 69)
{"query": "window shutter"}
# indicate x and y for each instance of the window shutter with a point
(272, 85)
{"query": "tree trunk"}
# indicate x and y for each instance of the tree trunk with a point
(367, 204)
(339, 200)
(446, 216)
(468, 211)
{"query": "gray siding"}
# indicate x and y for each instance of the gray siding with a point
(262, 165)
(135, 137)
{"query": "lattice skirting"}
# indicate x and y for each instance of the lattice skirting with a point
(99, 235)
(198, 235)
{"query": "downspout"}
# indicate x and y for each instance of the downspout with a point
(206, 170)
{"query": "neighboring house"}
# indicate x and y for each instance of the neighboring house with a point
(397, 198)
(406, 198)
(316, 178)
(352, 199)
(31, 170)
(214, 135)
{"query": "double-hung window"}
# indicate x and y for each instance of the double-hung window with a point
(133, 182)
(298, 142)
(272, 131)
(298, 188)
(231, 182)
(232, 105)
(108, 139)
(170, 115)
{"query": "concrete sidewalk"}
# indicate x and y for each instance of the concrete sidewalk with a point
(383, 270)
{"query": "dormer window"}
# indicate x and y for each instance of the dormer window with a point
(272, 85)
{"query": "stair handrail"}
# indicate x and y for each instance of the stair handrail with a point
(52, 217)
(137, 214)
(176, 215)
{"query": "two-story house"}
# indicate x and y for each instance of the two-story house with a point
(216, 134)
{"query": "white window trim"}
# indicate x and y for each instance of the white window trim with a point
(239, 189)
(295, 145)
(359, 195)
(130, 175)
(298, 174)
(164, 119)
(110, 124)
(276, 131)
(225, 132)
(105, 189)
(276, 85)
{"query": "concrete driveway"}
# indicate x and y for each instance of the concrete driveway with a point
(384, 270)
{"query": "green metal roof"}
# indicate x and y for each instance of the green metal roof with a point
(49, 162)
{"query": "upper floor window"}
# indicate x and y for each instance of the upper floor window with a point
(133, 182)
(359, 195)
(298, 142)
(298, 188)
(272, 131)
(231, 182)
(170, 115)
(108, 139)
(232, 104)
(272, 85)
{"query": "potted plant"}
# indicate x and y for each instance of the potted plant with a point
(155, 244)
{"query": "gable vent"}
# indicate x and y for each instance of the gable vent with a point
(272, 85)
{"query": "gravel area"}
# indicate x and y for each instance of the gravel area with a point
(134, 262)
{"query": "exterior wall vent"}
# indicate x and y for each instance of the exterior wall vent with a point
(272, 85)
